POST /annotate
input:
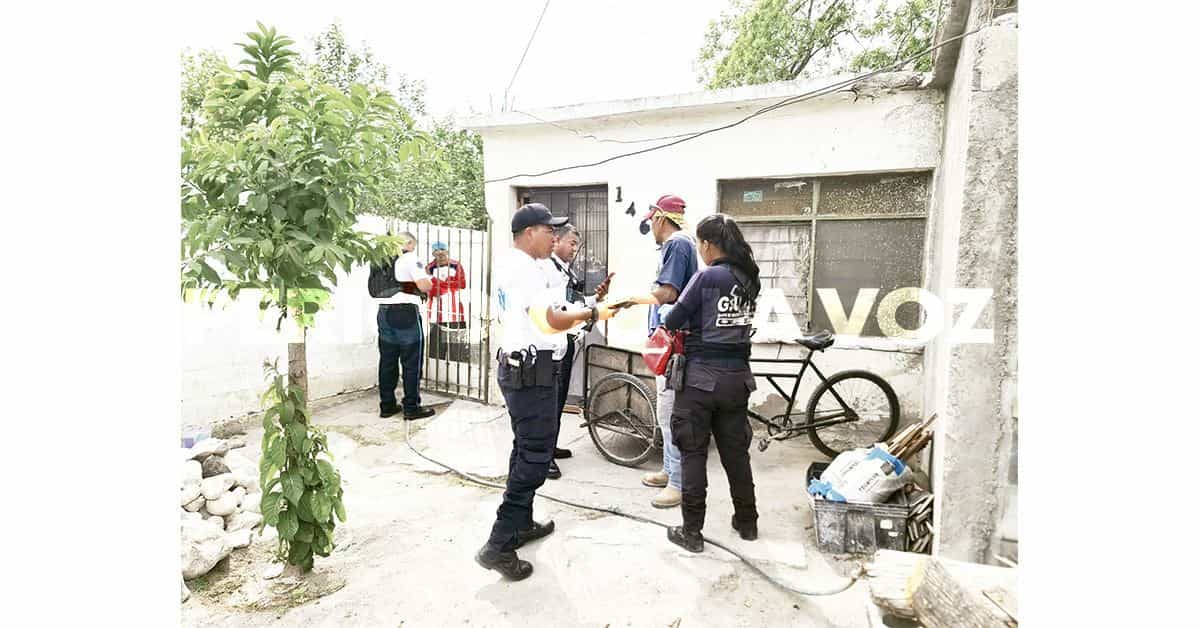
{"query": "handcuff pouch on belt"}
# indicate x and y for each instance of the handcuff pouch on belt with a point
(526, 368)
(676, 371)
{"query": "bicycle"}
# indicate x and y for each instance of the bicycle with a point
(847, 410)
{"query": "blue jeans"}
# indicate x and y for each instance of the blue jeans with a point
(671, 457)
(401, 344)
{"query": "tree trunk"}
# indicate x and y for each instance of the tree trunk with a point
(298, 365)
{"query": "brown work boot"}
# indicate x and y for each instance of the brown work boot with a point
(658, 479)
(669, 497)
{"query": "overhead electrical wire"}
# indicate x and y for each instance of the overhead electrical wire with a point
(527, 45)
(783, 103)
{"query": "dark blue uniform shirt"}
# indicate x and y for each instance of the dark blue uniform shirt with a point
(716, 312)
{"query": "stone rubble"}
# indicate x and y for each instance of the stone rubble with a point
(213, 465)
(220, 502)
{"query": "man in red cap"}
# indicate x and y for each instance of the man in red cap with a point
(678, 262)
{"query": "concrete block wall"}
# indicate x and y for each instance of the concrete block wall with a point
(224, 349)
(972, 244)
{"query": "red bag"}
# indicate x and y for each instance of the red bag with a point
(661, 345)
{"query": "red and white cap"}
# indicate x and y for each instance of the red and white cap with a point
(669, 205)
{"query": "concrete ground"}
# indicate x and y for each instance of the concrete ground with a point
(405, 554)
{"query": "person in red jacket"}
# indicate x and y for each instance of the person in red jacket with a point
(445, 306)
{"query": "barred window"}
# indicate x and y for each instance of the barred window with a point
(844, 233)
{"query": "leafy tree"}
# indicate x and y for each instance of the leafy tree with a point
(442, 184)
(196, 70)
(274, 174)
(441, 181)
(335, 62)
(760, 41)
(904, 30)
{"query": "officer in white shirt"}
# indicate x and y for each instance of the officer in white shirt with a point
(559, 273)
(534, 316)
(401, 338)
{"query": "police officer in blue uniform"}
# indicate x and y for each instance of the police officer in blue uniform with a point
(712, 379)
(534, 317)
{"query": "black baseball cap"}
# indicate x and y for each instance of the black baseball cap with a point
(532, 214)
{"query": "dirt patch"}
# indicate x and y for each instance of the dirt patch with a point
(236, 583)
(288, 593)
(357, 433)
(221, 584)
(727, 583)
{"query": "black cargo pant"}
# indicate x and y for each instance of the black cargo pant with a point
(535, 430)
(564, 379)
(713, 403)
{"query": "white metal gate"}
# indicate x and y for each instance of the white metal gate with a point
(457, 351)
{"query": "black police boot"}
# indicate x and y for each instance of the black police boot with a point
(554, 473)
(562, 453)
(690, 541)
(533, 532)
(506, 563)
(387, 411)
(420, 413)
(748, 531)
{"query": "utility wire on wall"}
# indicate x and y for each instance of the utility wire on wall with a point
(783, 103)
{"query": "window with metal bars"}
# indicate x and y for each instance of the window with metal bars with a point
(587, 209)
(843, 233)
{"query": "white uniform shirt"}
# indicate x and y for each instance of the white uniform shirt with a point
(559, 280)
(408, 268)
(523, 283)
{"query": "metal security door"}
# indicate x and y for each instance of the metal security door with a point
(587, 209)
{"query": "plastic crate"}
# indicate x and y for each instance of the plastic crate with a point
(857, 528)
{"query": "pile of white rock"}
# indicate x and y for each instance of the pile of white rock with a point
(219, 497)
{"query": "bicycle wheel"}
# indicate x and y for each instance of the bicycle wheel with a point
(861, 396)
(621, 418)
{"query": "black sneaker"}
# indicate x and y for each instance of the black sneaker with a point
(506, 563)
(419, 413)
(534, 532)
(690, 541)
(748, 531)
(554, 473)
(389, 411)
(561, 453)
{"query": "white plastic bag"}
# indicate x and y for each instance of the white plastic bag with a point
(874, 478)
(832, 478)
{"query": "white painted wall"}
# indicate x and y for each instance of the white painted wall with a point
(828, 136)
(224, 347)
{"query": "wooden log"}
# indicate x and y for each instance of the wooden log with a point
(942, 593)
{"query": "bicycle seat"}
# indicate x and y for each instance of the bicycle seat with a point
(819, 341)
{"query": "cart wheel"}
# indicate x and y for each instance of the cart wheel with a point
(863, 395)
(621, 419)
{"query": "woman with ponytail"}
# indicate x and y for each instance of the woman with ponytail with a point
(716, 310)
